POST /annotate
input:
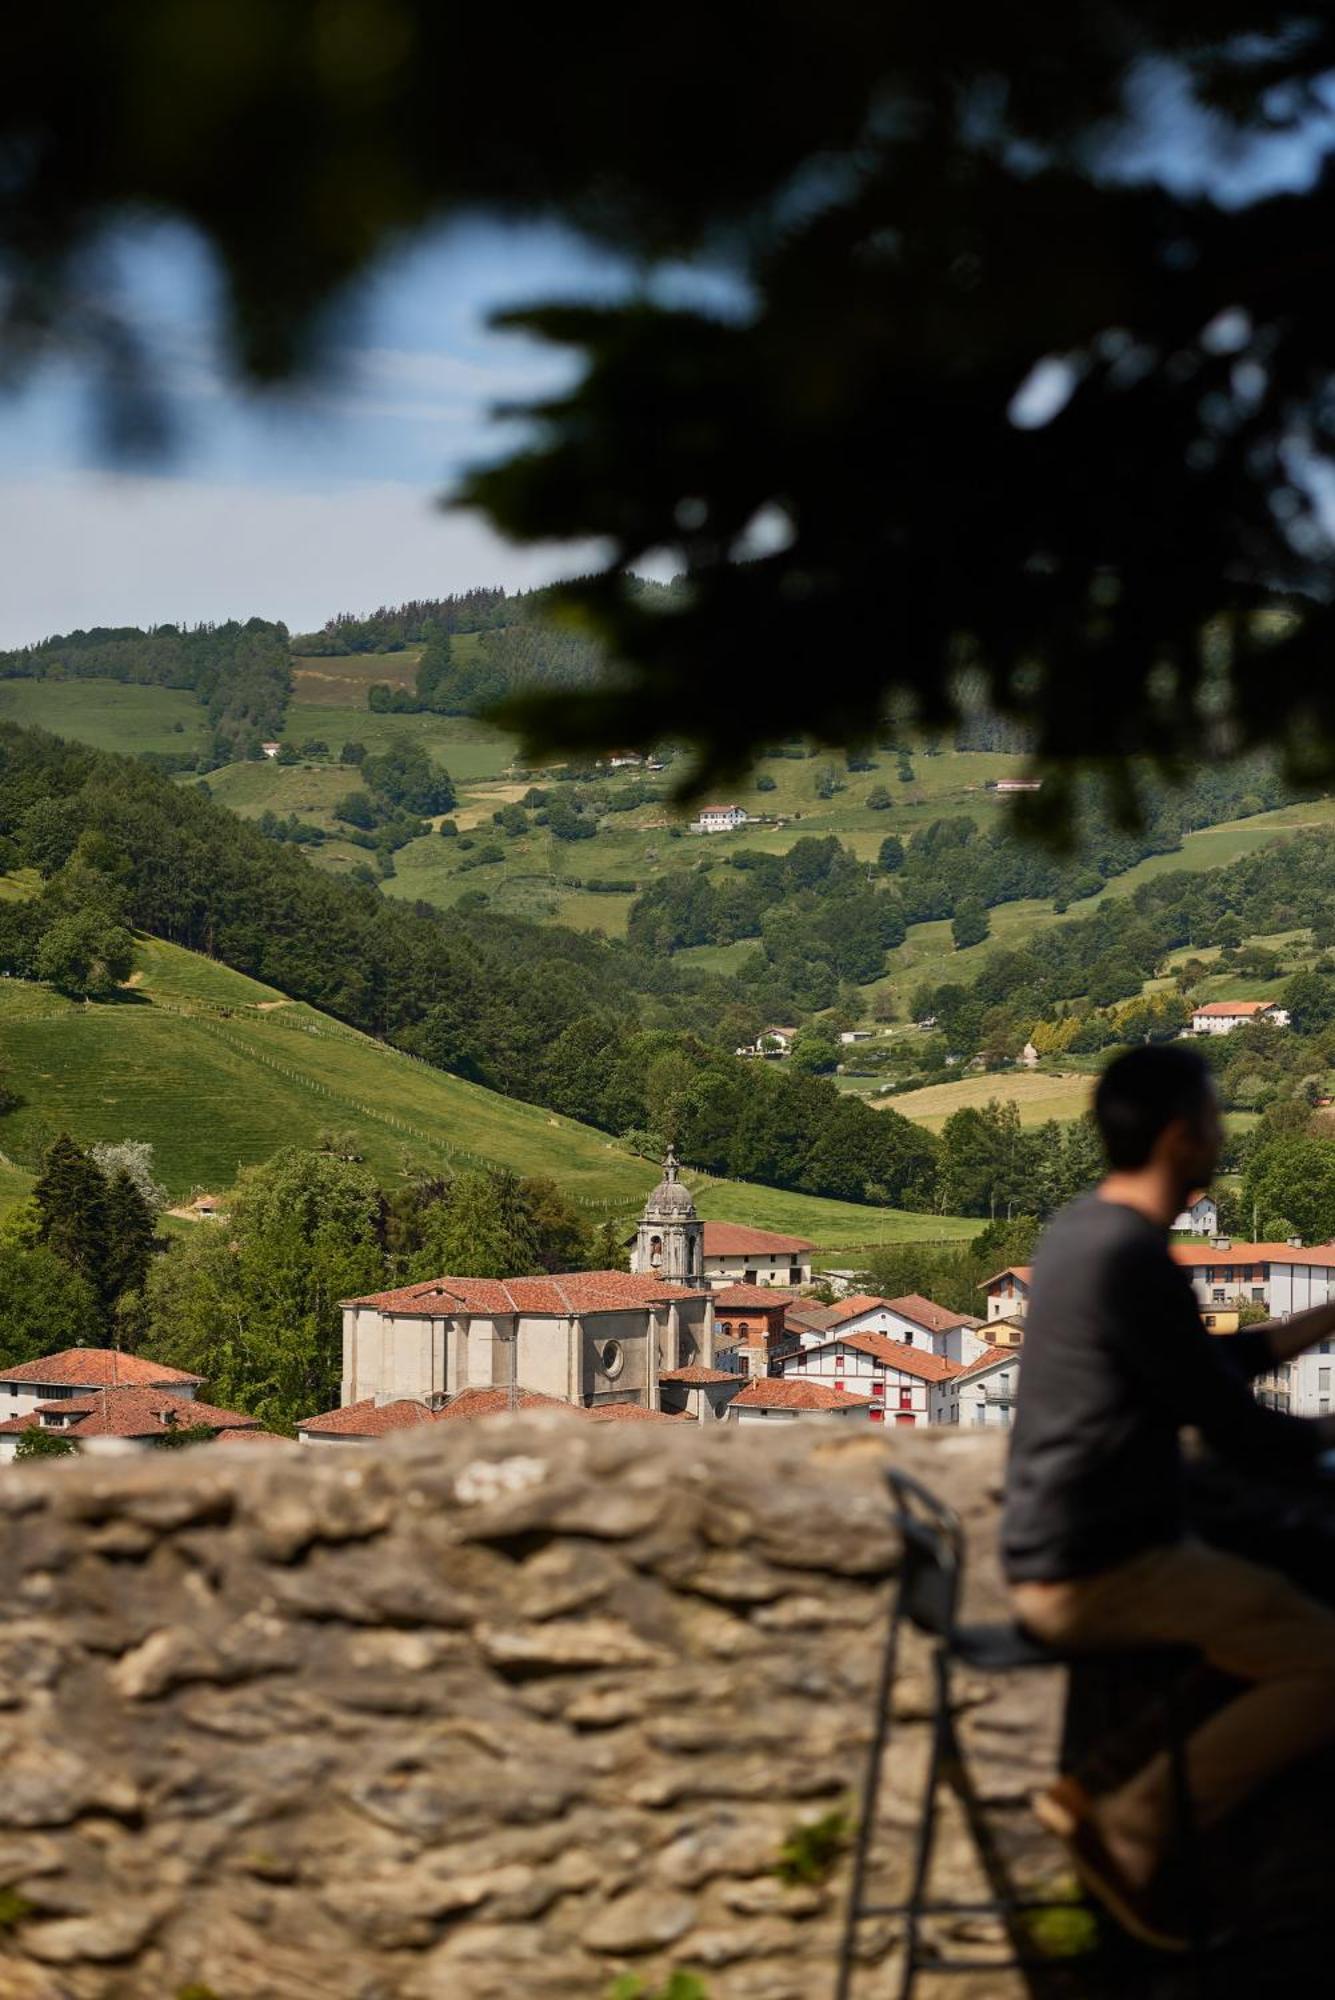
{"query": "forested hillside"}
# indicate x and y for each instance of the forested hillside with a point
(240, 673)
(609, 1034)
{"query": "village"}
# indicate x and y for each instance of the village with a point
(714, 1323)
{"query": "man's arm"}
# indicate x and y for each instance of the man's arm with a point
(1258, 1349)
(1185, 1371)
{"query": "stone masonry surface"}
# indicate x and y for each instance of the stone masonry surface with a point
(487, 1710)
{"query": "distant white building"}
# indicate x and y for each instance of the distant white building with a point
(1221, 1017)
(1018, 785)
(271, 749)
(982, 1393)
(1200, 1219)
(721, 819)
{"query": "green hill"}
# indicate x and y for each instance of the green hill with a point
(219, 1071)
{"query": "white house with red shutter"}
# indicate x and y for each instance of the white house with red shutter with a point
(780, 1399)
(913, 1319)
(899, 1379)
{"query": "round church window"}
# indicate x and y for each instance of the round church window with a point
(612, 1357)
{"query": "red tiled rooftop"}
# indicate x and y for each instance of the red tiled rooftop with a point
(747, 1298)
(12, 1425)
(256, 1436)
(495, 1402)
(1024, 1272)
(735, 1239)
(896, 1354)
(1253, 1253)
(541, 1298)
(96, 1368)
(137, 1412)
(697, 1373)
(986, 1361)
(633, 1413)
(785, 1392)
(1222, 1009)
(925, 1312)
(368, 1418)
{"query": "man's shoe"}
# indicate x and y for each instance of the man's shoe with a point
(1066, 1810)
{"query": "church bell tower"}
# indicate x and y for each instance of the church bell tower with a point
(669, 1242)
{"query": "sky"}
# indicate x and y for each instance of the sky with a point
(300, 506)
(296, 505)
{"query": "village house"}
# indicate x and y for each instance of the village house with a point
(720, 819)
(750, 1323)
(781, 1400)
(1221, 1017)
(132, 1414)
(898, 1379)
(913, 1319)
(1199, 1218)
(271, 749)
(771, 1043)
(1007, 1292)
(734, 1254)
(982, 1393)
(78, 1370)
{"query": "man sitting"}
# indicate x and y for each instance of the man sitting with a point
(1116, 1363)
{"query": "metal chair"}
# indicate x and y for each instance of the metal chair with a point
(927, 1597)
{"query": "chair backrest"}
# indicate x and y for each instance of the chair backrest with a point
(932, 1557)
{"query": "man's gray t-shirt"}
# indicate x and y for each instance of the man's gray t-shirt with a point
(1115, 1361)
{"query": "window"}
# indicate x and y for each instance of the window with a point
(794, 1274)
(907, 1338)
(906, 1399)
(748, 1277)
(1326, 1347)
(1323, 1381)
(1218, 1295)
(612, 1357)
(979, 1413)
(878, 1390)
(1258, 1295)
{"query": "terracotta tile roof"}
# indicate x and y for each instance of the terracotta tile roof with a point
(138, 1412)
(745, 1298)
(734, 1239)
(541, 1298)
(895, 1354)
(697, 1373)
(633, 1413)
(256, 1436)
(1253, 1253)
(998, 1357)
(1024, 1272)
(496, 1403)
(368, 1418)
(96, 1368)
(786, 1392)
(926, 1313)
(1222, 1009)
(12, 1425)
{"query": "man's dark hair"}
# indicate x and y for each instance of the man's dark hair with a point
(1141, 1093)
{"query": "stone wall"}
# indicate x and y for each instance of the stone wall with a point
(496, 1709)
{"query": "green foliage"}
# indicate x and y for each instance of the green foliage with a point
(811, 1849)
(679, 1985)
(255, 1309)
(814, 1054)
(177, 1437)
(1290, 1186)
(44, 1444)
(45, 1305)
(83, 953)
(969, 924)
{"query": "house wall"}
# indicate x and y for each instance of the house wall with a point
(900, 1394)
(1008, 1296)
(759, 1268)
(984, 1402)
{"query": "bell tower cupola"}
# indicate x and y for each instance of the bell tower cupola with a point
(669, 1242)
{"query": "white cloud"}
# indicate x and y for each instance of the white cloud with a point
(102, 550)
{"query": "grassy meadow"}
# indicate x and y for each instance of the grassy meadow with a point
(106, 714)
(219, 1071)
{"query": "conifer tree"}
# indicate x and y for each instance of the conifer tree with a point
(130, 1238)
(72, 1200)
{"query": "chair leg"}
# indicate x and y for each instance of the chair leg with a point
(871, 1788)
(922, 1859)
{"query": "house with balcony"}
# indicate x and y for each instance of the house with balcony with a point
(898, 1379)
(982, 1393)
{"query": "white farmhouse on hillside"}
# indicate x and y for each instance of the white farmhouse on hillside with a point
(1221, 1017)
(721, 819)
(1200, 1218)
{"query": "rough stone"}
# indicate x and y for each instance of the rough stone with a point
(491, 1709)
